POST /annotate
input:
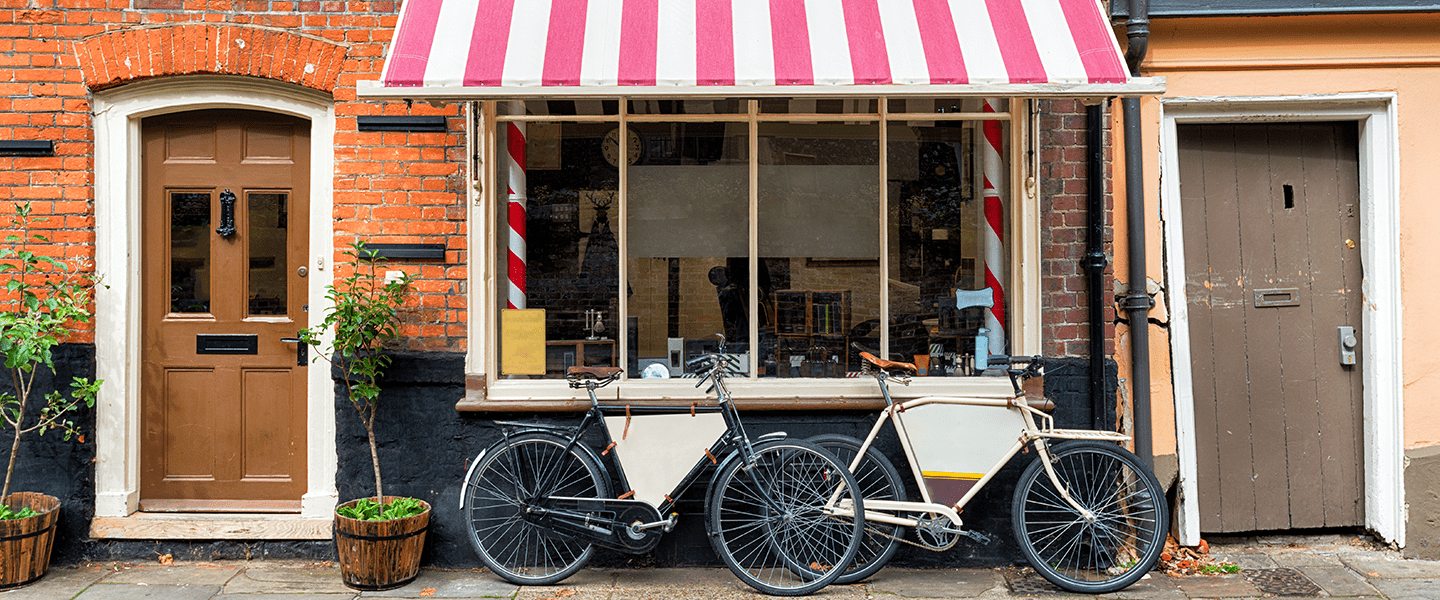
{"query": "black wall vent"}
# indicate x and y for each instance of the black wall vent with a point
(388, 123)
(410, 251)
(27, 148)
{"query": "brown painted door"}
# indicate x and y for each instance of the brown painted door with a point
(225, 218)
(1272, 260)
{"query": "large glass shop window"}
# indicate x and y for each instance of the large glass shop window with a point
(811, 285)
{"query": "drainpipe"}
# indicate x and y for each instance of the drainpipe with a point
(1137, 302)
(1095, 260)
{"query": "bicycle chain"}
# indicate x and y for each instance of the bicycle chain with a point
(952, 543)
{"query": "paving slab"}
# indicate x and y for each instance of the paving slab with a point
(1380, 568)
(935, 583)
(1218, 586)
(282, 579)
(1155, 586)
(1248, 560)
(180, 574)
(1338, 581)
(450, 584)
(139, 591)
(1306, 559)
(1409, 589)
(588, 584)
(286, 596)
(57, 583)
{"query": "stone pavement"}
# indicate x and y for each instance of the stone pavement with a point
(1301, 567)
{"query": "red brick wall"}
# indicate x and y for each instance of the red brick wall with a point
(1063, 212)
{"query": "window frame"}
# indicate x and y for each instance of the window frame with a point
(486, 392)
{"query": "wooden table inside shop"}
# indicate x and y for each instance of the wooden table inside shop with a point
(584, 350)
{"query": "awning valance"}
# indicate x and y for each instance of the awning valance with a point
(454, 49)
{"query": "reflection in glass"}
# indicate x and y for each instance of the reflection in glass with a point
(688, 255)
(267, 252)
(189, 252)
(819, 246)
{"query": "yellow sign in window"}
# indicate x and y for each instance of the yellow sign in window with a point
(522, 341)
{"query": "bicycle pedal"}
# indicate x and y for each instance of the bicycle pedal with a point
(977, 536)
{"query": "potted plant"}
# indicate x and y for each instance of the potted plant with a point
(44, 297)
(378, 539)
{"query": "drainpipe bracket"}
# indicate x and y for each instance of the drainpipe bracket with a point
(1094, 261)
(1137, 301)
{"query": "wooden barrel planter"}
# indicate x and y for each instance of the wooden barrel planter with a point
(380, 555)
(25, 544)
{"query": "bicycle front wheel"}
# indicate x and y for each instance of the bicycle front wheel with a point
(1107, 550)
(771, 525)
(878, 480)
(512, 475)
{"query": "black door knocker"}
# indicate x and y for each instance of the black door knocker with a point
(227, 214)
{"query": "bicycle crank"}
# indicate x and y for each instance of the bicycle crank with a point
(935, 534)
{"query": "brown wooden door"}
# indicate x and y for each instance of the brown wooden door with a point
(1272, 260)
(223, 397)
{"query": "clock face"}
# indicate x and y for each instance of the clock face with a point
(610, 147)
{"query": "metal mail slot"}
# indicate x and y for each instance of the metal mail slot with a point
(1277, 297)
(226, 343)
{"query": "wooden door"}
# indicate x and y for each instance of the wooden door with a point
(1272, 261)
(225, 222)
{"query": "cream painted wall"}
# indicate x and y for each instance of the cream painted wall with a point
(1294, 56)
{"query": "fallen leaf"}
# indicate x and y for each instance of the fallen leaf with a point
(427, 592)
(167, 560)
(565, 593)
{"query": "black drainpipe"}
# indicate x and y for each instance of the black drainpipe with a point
(1137, 302)
(1095, 261)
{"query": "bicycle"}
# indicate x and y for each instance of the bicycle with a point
(1087, 514)
(539, 500)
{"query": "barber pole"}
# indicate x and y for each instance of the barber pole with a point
(515, 187)
(994, 227)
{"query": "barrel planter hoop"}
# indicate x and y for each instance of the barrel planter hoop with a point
(380, 555)
(25, 544)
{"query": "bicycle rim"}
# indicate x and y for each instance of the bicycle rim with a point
(769, 524)
(1104, 554)
(878, 480)
(513, 474)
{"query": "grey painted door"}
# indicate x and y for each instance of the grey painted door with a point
(1272, 263)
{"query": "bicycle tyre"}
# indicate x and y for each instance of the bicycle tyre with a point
(1119, 547)
(511, 473)
(764, 544)
(878, 480)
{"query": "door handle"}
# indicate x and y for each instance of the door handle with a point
(302, 350)
(1347, 345)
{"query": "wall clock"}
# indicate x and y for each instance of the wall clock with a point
(610, 147)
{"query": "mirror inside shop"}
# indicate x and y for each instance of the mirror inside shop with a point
(795, 302)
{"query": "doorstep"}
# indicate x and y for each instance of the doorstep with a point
(215, 526)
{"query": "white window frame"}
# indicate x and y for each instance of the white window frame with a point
(486, 280)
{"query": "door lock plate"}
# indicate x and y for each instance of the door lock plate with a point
(1347, 345)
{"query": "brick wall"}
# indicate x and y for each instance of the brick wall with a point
(389, 187)
(1063, 187)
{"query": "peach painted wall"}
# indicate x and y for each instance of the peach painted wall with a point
(1265, 56)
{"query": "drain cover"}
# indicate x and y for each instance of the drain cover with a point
(1027, 581)
(1282, 582)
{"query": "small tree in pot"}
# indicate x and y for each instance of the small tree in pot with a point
(44, 297)
(377, 539)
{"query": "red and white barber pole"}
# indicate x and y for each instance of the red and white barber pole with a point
(993, 228)
(515, 188)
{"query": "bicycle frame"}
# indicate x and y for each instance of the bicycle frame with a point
(1015, 410)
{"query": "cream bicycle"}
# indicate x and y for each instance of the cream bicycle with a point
(1087, 513)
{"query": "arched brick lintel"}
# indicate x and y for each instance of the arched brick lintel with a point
(119, 57)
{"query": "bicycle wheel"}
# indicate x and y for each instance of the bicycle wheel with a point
(878, 480)
(513, 474)
(1098, 555)
(769, 524)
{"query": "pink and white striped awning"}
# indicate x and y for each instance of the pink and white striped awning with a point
(749, 48)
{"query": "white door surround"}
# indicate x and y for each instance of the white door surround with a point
(1375, 113)
(117, 115)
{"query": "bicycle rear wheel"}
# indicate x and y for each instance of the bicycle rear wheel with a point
(878, 480)
(769, 523)
(512, 475)
(1107, 552)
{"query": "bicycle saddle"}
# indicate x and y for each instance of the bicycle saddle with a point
(591, 372)
(888, 365)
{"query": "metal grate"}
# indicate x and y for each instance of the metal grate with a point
(1027, 581)
(1282, 582)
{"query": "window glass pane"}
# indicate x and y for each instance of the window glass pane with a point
(937, 242)
(819, 275)
(568, 246)
(267, 248)
(689, 239)
(688, 107)
(561, 107)
(823, 106)
(940, 105)
(190, 252)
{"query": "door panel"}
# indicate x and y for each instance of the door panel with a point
(223, 423)
(1272, 262)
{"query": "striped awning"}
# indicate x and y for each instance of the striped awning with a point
(751, 48)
